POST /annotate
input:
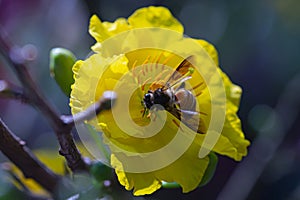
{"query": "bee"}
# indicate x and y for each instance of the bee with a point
(173, 96)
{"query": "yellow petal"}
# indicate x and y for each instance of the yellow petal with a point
(119, 66)
(90, 84)
(232, 141)
(141, 183)
(155, 17)
(210, 49)
(225, 146)
(233, 92)
(116, 27)
(232, 130)
(187, 171)
(103, 30)
(97, 30)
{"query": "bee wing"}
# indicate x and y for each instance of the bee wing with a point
(190, 118)
(180, 74)
(189, 112)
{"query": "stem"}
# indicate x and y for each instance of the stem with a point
(105, 103)
(15, 149)
(62, 125)
(63, 131)
(8, 90)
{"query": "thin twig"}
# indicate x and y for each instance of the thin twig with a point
(8, 90)
(105, 103)
(62, 125)
(15, 150)
(63, 132)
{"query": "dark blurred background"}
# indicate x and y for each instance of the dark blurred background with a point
(259, 47)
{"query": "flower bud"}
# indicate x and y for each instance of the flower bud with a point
(61, 63)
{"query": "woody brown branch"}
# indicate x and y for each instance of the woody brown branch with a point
(31, 92)
(16, 150)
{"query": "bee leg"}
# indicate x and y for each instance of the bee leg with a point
(152, 116)
(144, 112)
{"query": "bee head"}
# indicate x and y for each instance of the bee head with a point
(148, 100)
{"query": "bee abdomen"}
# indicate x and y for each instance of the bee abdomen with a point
(186, 100)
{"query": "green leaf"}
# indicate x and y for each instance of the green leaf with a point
(101, 172)
(172, 185)
(61, 63)
(210, 170)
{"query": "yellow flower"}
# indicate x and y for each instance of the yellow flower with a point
(150, 146)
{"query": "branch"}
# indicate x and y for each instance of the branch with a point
(105, 103)
(62, 125)
(8, 90)
(63, 132)
(15, 150)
